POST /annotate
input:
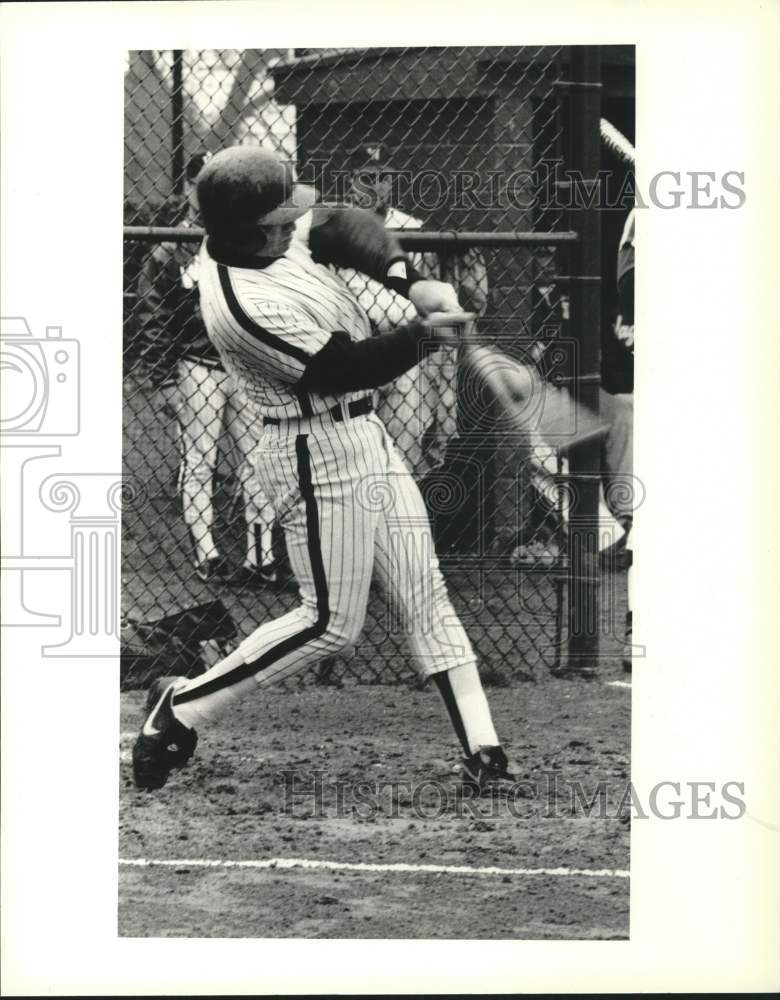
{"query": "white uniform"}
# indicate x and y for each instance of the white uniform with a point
(347, 502)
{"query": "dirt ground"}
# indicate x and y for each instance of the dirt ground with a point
(233, 802)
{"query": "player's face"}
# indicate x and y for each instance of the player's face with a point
(277, 239)
(370, 190)
(193, 209)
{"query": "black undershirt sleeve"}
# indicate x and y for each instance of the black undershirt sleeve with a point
(357, 238)
(345, 365)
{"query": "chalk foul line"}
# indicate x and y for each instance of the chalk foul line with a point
(284, 864)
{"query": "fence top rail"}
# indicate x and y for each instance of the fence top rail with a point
(410, 240)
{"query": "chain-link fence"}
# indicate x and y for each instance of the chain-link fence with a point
(460, 148)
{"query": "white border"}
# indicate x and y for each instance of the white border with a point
(704, 912)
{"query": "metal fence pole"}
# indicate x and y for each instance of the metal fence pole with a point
(439, 242)
(177, 123)
(584, 98)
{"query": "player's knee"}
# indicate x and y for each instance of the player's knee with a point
(341, 634)
(336, 641)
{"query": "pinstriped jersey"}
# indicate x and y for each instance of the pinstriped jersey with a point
(268, 322)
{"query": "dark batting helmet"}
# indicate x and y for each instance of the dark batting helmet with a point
(243, 187)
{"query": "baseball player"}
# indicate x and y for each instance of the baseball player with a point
(617, 403)
(300, 346)
(186, 366)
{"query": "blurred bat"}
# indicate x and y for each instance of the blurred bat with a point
(615, 140)
(545, 413)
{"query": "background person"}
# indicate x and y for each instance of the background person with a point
(617, 404)
(182, 362)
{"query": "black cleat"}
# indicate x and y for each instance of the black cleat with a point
(268, 577)
(163, 743)
(214, 569)
(487, 766)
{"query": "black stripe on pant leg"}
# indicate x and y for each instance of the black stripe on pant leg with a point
(442, 682)
(257, 546)
(312, 528)
(293, 642)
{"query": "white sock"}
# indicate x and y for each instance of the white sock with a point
(193, 711)
(205, 548)
(629, 594)
(463, 694)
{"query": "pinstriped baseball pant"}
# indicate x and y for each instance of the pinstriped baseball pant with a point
(350, 510)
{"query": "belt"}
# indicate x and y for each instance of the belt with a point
(213, 364)
(357, 408)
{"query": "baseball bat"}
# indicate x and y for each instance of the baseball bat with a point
(614, 140)
(541, 412)
(544, 413)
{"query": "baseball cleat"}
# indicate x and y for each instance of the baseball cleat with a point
(215, 568)
(259, 577)
(163, 743)
(488, 765)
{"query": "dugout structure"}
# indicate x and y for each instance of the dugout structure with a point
(489, 152)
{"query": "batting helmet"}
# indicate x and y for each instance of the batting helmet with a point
(243, 187)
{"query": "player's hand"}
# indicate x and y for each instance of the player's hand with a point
(429, 296)
(449, 327)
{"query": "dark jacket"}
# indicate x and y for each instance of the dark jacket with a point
(617, 342)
